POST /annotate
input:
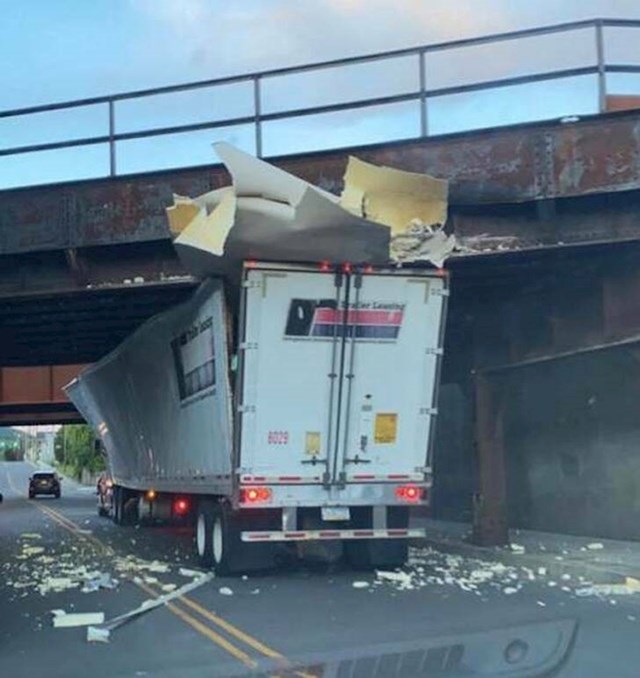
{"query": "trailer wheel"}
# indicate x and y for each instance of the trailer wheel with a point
(218, 538)
(124, 512)
(117, 505)
(204, 532)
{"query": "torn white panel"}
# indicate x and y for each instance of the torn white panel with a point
(77, 619)
(254, 177)
(97, 635)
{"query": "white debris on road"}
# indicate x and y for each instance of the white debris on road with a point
(428, 567)
(225, 591)
(360, 584)
(132, 563)
(595, 546)
(629, 587)
(185, 572)
(64, 620)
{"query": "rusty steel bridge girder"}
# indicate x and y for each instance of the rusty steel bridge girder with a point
(540, 163)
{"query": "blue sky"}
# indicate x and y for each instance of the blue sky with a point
(54, 50)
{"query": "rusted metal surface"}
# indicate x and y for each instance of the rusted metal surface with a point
(90, 213)
(541, 163)
(52, 271)
(21, 385)
(490, 524)
(622, 102)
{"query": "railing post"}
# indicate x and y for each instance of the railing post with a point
(257, 113)
(112, 141)
(424, 120)
(602, 71)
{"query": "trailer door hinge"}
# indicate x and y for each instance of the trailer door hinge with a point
(246, 408)
(434, 351)
(248, 345)
(251, 283)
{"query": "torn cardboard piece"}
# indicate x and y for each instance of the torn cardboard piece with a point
(384, 215)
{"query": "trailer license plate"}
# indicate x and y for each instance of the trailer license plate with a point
(335, 513)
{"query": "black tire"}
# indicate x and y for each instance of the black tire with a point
(31, 495)
(102, 511)
(118, 505)
(218, 538)
(125, 511)
(57, 495)
(369, 554)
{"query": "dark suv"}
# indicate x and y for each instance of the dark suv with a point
(44, 483)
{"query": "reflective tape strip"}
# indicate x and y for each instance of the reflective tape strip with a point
(417, 477)
(301, 480)
(310, 535)
(280, 480)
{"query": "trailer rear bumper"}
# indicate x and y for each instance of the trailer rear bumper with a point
(313, 535)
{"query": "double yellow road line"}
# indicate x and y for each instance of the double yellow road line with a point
(178, 608)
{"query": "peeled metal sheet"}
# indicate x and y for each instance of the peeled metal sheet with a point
(383, 215)
(161, 400)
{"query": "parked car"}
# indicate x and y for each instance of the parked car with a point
(44, 483)
(104, 490)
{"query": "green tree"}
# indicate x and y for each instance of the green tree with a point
(75, 443)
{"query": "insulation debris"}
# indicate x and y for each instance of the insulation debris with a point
(102, 581)
(428, 567)
(595, 546)
(64, 620)
(225, 591)
(383, 215)
(630, 586)
(185, 572)
(96, 634)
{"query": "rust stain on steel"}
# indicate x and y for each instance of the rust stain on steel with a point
(596, 157)
(516, 164)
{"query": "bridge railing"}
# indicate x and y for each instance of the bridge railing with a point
(416, 67)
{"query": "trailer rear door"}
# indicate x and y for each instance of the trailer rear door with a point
(288, 373)
(392, 359)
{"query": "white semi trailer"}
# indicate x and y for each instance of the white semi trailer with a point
(307, 414)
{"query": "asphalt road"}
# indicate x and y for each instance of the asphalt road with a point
(441, 612)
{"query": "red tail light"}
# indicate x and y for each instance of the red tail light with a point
(255, 495)
(325, 266)
(409, 493)
(181, 506)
